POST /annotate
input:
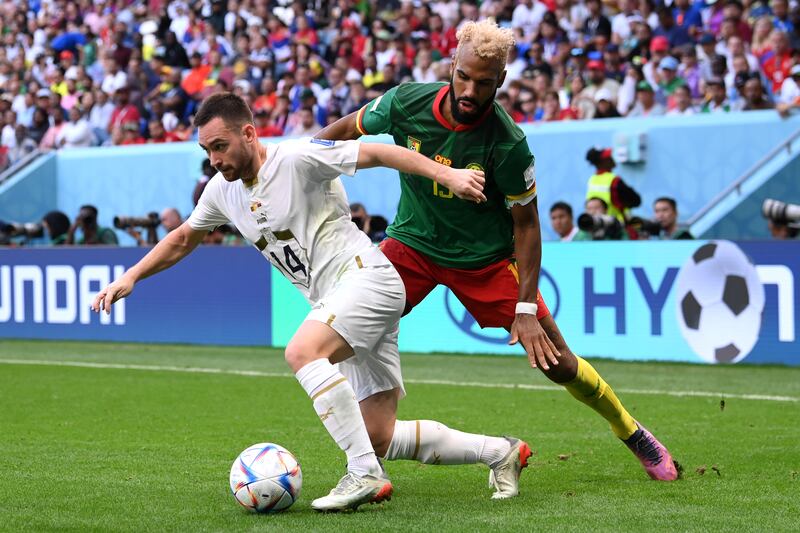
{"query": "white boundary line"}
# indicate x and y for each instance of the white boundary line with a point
(521, 386)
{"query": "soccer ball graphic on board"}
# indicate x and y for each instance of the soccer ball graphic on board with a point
(719, 301)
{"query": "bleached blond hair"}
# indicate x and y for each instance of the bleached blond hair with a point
(488, 40)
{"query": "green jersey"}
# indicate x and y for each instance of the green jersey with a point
(430, 219)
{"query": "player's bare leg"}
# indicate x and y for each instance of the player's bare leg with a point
(310, 354)
(431, 442)
(586, 385)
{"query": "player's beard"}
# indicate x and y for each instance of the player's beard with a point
(468, 118)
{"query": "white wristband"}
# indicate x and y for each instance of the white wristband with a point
(525, 308)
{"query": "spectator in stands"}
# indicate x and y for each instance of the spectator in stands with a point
(598, 81)
(604, 105)
(683, 102)
(21, 146)
(646, 104)
(307, 124)
(75, 133)
(99, 109)
(56, 227)
(666, 213)
(90, 232)
(39, 125)
(158, 134)
(49, 141)
(562, 221)
(124, 111)
(596, 23)
(755, 98)
(777, 63)
(129, 134)
(668, 81)
(716, 100)
(676, 35)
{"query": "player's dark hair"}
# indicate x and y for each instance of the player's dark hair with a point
(232, 109)
(564, 206)
(670, 201)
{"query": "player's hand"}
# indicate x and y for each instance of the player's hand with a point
(465, 183)
(114, 291)
(540, 349)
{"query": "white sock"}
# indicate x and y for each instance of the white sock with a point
(430, 442)
(335, 404)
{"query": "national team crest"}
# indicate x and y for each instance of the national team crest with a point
(414, 144)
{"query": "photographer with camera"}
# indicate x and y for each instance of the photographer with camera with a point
(609, 187)
(374, 227)
(665, 226)
(56, 227)
(783, 219)
(91, 233)
(170, 218)
(597, 225)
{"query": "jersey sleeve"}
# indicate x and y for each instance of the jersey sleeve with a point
(516, 175)
(376, 116)
(321, 159)
(207, 215)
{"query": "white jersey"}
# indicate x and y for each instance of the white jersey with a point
(296, 213)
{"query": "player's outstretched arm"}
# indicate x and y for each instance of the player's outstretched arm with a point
(343, 129)
(465, 183)
(528, 250)
(175, 246)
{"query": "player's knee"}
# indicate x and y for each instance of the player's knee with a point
(296, 357)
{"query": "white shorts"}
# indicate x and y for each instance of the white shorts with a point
(364, 307)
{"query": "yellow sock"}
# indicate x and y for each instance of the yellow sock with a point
(591, 389)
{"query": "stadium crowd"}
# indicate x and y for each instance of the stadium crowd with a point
(94, 72)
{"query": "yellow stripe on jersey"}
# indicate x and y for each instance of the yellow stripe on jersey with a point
(530, 192)
(359, 121)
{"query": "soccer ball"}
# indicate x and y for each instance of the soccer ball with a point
(719, 302)
(266, 478)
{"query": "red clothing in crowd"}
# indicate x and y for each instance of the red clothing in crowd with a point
(777, 69)
(123, 115)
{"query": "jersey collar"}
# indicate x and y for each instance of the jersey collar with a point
(437, 112)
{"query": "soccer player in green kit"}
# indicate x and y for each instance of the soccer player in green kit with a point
(488, 253)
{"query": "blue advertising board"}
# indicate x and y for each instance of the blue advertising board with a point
(645, 301)
(691, 301)
(217, 295)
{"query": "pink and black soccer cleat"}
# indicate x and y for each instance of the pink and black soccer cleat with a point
(653, 455)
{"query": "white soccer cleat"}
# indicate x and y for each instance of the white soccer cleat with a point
(352, 491)
(504, 477)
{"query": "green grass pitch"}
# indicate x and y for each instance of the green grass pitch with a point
(129, 441)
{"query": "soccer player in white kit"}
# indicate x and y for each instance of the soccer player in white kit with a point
(288, 200)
